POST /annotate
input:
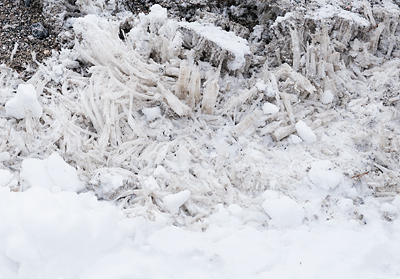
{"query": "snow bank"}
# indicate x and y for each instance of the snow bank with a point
(68, 235)
(45, 235)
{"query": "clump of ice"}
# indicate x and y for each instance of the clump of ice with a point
(327, 97)
(261, 85)
(25, 100)
(108, 182)
(152, 113)
(305, 132)
(284, 211)
(226, 40)
(158, 13)
(52, 173)
(174, 201)
(323, 175)
(160, 172)
(269, 108)
(295, 139)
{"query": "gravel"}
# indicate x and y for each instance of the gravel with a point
(17, 40)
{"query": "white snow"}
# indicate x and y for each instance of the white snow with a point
(284, 212)
(305, 132)
(174, 201)
(324, 175)
(5, 177)
(52, 173)
(69, 235)
(25, 100)
(4, 156)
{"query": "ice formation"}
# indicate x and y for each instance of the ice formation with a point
(203, 109)
(188, 123)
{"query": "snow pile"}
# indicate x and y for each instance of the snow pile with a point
(69, 235)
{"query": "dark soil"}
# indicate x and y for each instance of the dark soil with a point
(15, 21)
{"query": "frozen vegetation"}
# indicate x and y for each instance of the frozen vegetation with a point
(157, 147)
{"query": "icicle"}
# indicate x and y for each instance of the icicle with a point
(278, 56)
(321, 69)
(275, 88)
(235, 101)
(313, 64)
(210, 93)
(295, 49)
(283, 132)
(194, 88)
(368, 13)
(285, 71)
(131, 122)
(177, 105)
(288, 106)
(14, 51)
(375, 37)
(249, 122)
(393, 39)
(182, 83)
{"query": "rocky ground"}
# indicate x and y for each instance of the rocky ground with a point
(18, 40)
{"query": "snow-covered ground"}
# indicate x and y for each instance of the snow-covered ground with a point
(181, 150)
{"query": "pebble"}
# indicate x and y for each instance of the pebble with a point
(39, 31)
